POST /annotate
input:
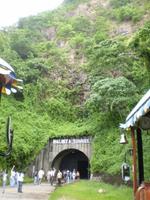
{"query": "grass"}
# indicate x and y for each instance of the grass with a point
(88, 190)
(28, 179)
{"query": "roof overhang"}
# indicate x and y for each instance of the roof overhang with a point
(140, 115)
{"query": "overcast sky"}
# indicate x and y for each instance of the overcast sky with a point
(12, 10)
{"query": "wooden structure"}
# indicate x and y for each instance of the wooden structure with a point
(137, 121)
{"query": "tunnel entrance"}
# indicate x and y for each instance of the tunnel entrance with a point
(72, 159)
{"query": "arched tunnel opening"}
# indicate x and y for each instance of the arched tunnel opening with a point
(71, 159)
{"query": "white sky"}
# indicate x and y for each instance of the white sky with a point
(12, 10)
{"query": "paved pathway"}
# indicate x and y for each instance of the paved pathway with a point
(30, 192)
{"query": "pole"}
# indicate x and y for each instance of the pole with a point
(134, 161)
(140, 156)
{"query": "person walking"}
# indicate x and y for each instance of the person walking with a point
(78, 175)
(49, 173)
(52, 176)
(4, 180)
(74, 175)
(12, 176)
(40, 175)
(35, 176)
(68, 176)
(20, 179)
(59, 177)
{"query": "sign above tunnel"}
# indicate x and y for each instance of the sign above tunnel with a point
(85, 140)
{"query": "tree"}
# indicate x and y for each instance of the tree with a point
(109, 57)
(141, 44)
(21, 43)
(114, 95)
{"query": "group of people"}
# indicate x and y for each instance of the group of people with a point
(53, 176)
(40, 175)
(16, 178)
(56, 177)
(67, 176)
(70, 176)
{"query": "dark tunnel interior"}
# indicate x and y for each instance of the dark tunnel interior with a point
(73, 159)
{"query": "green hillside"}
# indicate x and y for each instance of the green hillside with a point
(84, 66)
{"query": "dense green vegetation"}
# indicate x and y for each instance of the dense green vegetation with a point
(91, 190)
(81, 64)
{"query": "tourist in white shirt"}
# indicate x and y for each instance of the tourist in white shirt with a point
(20, 179)
(40, 175)
(12, 177)
(49, 174)
(4, 179)
(52, 175)
(59, 177)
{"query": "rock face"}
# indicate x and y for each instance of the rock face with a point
(50, 33)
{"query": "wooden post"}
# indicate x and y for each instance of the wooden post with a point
(140, 156)
(134, 168)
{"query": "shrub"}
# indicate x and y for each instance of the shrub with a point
(118, 3)
(127, 13)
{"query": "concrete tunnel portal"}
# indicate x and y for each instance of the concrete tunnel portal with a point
(65, 154)
(70, 159)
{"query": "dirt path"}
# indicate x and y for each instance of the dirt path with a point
(30, 192)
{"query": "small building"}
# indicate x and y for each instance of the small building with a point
(137, 122)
